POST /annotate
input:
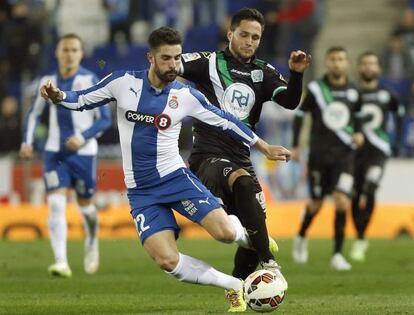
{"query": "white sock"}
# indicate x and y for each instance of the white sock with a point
(242, 239)
(57, 226)
(90, 223)
(192, 270)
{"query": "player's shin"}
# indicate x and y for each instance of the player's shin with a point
(192, 270)
(57, 226)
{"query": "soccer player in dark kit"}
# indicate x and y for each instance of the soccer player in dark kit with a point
(334, 104)
(377, 102)
(238, 82)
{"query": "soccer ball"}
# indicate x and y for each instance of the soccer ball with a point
(264, 291)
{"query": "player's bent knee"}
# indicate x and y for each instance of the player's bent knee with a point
(167, 262)
(83, 202)
(314, 206)
(342, 201)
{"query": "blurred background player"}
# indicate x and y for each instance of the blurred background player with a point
(70, 155)
(333, 102)
(151, 105)
(238, 82)
(377, 101)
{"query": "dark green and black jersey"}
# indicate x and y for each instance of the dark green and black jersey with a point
(238, 88)
(333, 111)
(378, 104)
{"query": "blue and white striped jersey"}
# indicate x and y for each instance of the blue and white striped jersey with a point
(149, 122)
(64, 123)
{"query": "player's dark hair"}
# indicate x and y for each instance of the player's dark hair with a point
(248, 14)
(70, 36)
(335, 49)
(164, 36)
(366, 54)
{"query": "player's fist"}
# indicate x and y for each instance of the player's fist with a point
(74, 143)
(50, 92)
(299, 61)
(358, 139)
(26, 151)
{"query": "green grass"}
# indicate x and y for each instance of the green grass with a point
(129, 283)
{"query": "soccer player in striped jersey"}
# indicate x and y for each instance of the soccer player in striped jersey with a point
(378, 102)
(70, 155)
(151, 105)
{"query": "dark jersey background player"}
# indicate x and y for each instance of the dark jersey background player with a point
(333, 102)
(377, 102)
(237, 82)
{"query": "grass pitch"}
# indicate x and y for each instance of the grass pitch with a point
(129, 283)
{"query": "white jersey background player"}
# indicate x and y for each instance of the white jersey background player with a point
(70, 155)
(150, 108)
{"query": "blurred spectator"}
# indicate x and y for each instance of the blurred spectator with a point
(397, 66)
(9, 144)
(119, 22)
(21, 42)
(88, 21)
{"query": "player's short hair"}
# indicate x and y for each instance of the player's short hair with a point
(70, 36)
(366, 54)
(334, 49)
(164, 36)
(248, 14)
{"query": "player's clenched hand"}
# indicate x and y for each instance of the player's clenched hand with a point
(50, 91)
(273, 152)
(26, 151)
(358, 139)
(74, 143)
(299, 61)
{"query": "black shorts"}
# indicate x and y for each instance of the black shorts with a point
(215, 173)
(327, 175)
(369, 166)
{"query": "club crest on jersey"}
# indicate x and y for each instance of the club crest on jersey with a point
(173, 102)
(161, 121)
(190, 57)
(257, 75)
(238, 99)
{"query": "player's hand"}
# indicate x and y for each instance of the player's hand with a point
(295, 154)
(50, 92)
(26, 151)
(75, 142)
(358, 139)
(273, 152)
(299, 61)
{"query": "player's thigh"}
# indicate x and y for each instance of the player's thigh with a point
(56, 172)
(215, 174)
(342, 174)
(199, 201)
(318, 179)
(153, 219)
(83, 175)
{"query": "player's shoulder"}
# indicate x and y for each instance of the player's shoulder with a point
(196, 56)
(268, 69)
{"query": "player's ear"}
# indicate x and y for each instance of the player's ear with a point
(150, 57)
(229, 35)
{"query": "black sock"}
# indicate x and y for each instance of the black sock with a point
(340, 219)
(358, 216)
(245, 262)
(251, 216)
(369, 208)
(306, 222)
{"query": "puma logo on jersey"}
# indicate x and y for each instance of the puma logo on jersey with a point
(204, 201)
(133, 91)
(227, 170)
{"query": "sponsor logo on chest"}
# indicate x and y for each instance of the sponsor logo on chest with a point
(161, 121)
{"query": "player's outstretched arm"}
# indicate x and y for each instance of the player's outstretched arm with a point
(95, 96)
